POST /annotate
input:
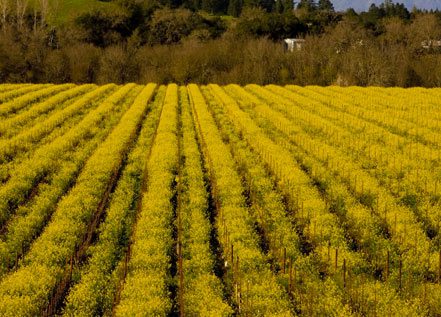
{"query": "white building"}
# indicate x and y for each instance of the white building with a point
(294, 44)
(431, 44)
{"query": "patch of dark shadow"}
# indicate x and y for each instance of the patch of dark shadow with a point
(225, 138)
(306, 246)
(383, 230)
(431, 232)
(353, 244)
(246, 193)
(338, 206)
(240, 134)
(174, 203)
(212, 214)
(322, 185)
(378, 273)
(176, 224)
(9, 156)
(400, 175)
(367, 199)
(215, 246)
(274, 264)
(430, 276)
(263, 242)
(411, 201)
(4, 178)
(307, 168)
(44, 178)
(263, 238)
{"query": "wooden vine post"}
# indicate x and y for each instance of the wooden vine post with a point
(387, 265)
(232, 257)
(400, 272)
(238, 284)
(284, 260)
(344, 273)
(290, 278)
(439, 268)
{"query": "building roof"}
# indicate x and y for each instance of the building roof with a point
(292, 41)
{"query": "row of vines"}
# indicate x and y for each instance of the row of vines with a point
(219, 200)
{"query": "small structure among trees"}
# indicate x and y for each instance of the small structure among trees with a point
(294, 44)
(431, 44)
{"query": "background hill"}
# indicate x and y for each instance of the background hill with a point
(361, 5)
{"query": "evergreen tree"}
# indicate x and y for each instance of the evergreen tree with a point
(279, 6)
(235, 7)
(325, 5)
(268, 5)
(214, 6)
(171, 3)
(284, 6)
(388, 3)
(309, 5)
(251, 3)
(194, 5)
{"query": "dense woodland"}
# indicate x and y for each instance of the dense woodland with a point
(235, 41)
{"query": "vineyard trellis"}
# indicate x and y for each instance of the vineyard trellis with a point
(219, 200)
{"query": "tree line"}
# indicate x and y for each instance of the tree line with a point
(204, 41)
(235, 7)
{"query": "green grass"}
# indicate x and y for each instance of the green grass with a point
(64, 11)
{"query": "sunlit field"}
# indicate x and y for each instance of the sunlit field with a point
(219, 200)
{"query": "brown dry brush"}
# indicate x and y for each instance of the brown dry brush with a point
(344, 54)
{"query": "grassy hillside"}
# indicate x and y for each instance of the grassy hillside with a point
(66, 10)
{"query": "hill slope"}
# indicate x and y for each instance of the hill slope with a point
(62, 11)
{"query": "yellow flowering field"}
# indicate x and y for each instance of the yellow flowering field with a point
(208, 200)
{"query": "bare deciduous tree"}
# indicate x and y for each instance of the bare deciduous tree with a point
(21, 7)
(44, 11)
(4, 11)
